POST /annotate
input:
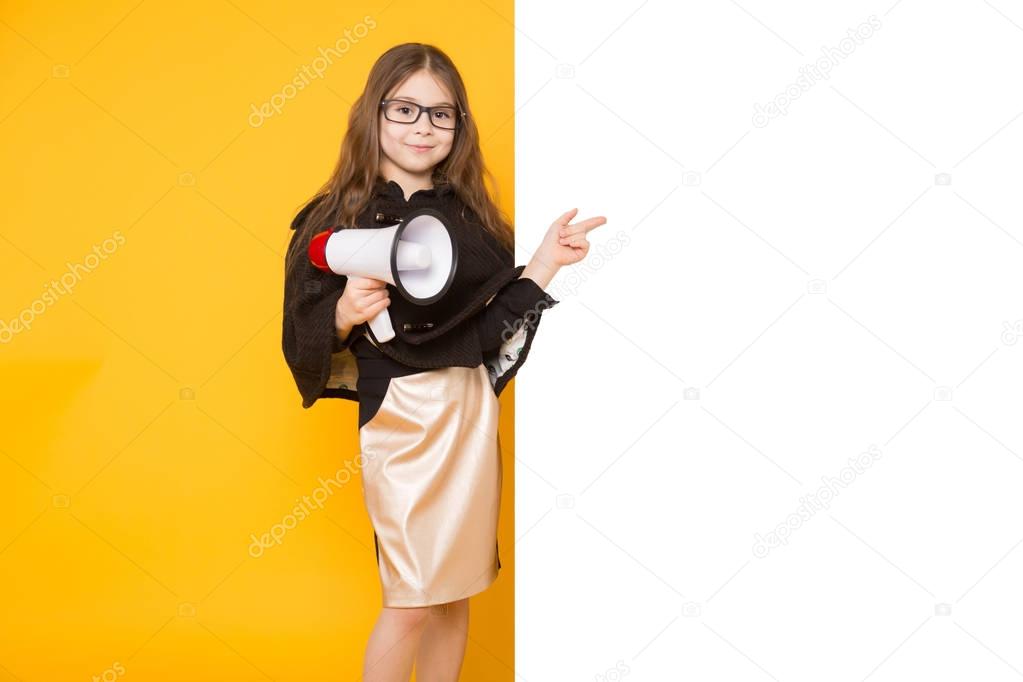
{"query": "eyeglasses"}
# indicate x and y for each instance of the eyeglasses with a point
(403, 111)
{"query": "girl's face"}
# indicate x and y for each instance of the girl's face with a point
(415, 148)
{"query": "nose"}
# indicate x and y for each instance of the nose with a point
(423, 123)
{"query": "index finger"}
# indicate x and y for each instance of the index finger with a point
(585, 225)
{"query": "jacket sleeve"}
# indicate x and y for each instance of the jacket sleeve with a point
(357, 331)
(518, 303)
(309, 336)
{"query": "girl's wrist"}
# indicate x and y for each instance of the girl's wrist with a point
(342, 327)
(540, 273)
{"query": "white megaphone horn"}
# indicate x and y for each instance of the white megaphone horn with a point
(418, 256)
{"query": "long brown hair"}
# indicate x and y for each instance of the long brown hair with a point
(349, 190)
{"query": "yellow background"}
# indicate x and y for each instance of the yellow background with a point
(150, 422)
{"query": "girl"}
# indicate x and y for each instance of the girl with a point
(428, 408)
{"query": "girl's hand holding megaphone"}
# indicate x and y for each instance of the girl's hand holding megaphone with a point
(361, 300)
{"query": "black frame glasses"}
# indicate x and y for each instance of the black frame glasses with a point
(420, 109)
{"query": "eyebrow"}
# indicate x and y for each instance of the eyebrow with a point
(413, 99)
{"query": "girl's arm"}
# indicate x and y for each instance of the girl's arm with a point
(539, 272)
(346, 334)
(309, 333)
(519, 303)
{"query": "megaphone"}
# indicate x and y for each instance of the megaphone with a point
(418, 256)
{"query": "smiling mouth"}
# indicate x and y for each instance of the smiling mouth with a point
(420, 146)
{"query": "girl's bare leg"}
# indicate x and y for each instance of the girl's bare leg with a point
(392, 645)
(442, 647)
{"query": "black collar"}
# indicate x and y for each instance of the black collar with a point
(392, 190)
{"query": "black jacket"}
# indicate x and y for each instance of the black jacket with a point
(456, 331)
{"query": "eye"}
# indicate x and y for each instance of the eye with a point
(443, 114)
(404, 109)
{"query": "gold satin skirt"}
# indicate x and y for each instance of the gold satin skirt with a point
(432, 485)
